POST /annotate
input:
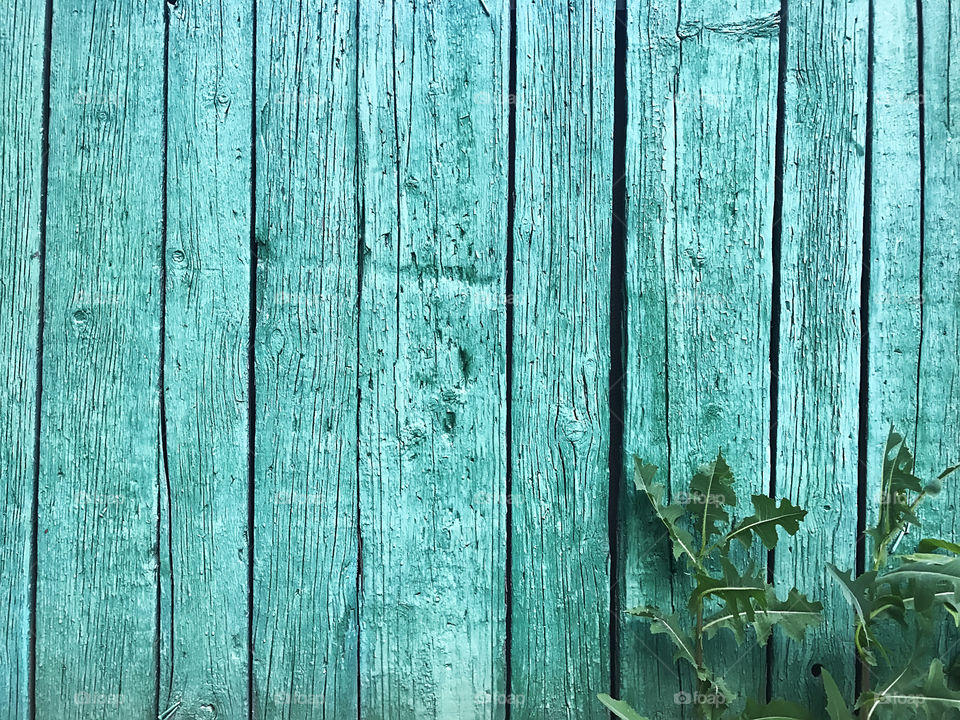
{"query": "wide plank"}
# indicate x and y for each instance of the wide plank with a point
(433, 112)
(21, 126)
(819, 341)
(560, 643)
(203, 503)
(305, 480)
(96, 611)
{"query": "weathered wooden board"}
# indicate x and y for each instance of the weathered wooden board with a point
(22, 27)
(560, 640)
(700, 177)
(894, 310)
(203, 500)
(433, 112)
(819, 342)
(938, 432)
(99, 428)
(305, 513)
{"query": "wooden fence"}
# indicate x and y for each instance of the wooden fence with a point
(328, 331)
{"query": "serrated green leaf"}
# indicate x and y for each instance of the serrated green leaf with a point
(711, 489)
(929, 545)
(669, 625)
(928, 694)
(899, 489)
(859, 593)
(775, 710)
(793, 615)
(620, 708)
(680, 538)
(735, 590)
(765, 520)
(836, 706)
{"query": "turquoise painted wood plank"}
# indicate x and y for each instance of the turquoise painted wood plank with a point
(433, 112)
(894, 303)
(561, 358)
(701, 141)
(305, 534)
(649, 677)
(938, 433)
(21, 124)
(203, 504)
(819, 363)
(99, 450)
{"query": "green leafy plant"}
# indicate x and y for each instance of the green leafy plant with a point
(727, 594)
(911, 591)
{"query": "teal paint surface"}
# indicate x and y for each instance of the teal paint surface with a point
(820, 303)
(21, 107)
(564, 159)
(408, 340)
(100, 417)
(203, 495)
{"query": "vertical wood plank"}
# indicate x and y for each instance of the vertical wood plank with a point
(894, 302)
(433, 109)
(649, 676)
(561, 362)
(97, 553)
(305, 534)
(701, 140)
(821, 258)
(21, 124)
(204, 655)
(938, 440)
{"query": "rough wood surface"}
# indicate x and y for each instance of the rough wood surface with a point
(938, 432)
(561, 358)
(699, 226)
(305, 534)
(100, 424)
(821, 257)
(895, 244)
(433, 109)
(21, 107)
(203, 500)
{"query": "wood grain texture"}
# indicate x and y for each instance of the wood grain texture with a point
(433, 110)
(938, 432)
(97, 549)
(21, 123)
(561, 361)
(305, 534)
(203, 505)
(649, 676)
(699, 226)
(894, 302)
(821, 258)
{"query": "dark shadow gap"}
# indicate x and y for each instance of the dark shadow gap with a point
(923, 204)
(38, 398)
(861, 671)
(509, 305)
(164, 460)
(251, 365)
(618, 339)
(775, 280)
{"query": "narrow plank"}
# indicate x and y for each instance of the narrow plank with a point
(938, 440)
(718, 263)
(649, 678)
(561, 359)
(821, 260)
(204, 654)
(305, 534)
(433, 110)
(97, 546)
(701, 142)
(21, 123)
(894, 302)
